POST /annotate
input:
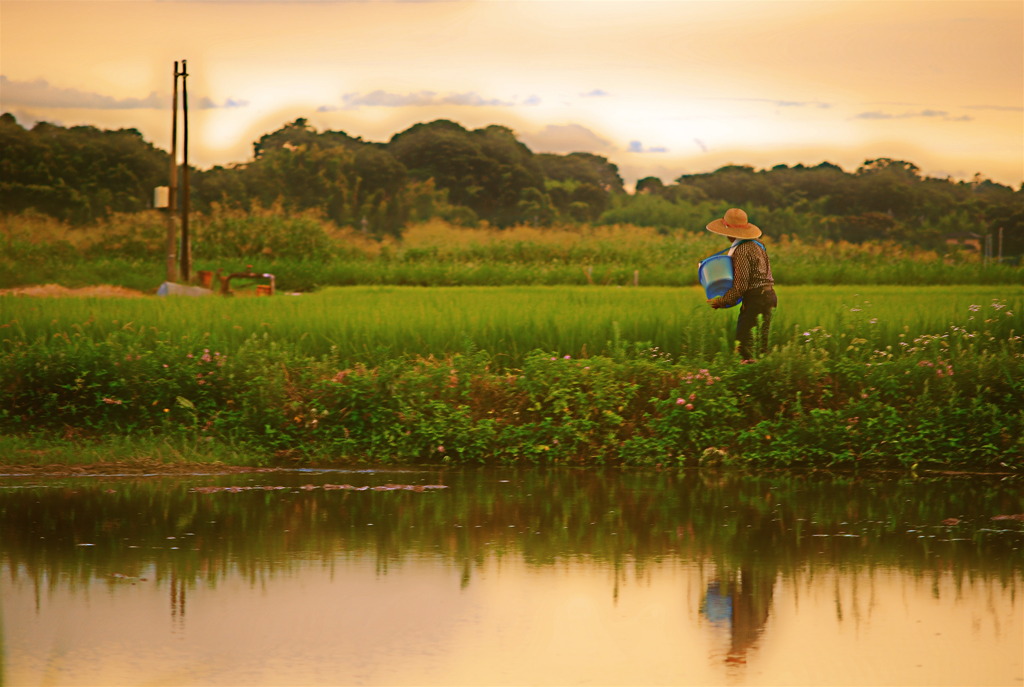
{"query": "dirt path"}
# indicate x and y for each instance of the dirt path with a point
(58, 291)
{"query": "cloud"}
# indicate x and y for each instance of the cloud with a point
(565, 138)
(925, 114)
(997, 108)
(701, 144)
(637, 147)
(473, 100)
(784, 103)
(380, 98)
(40, 93)
(596, 93)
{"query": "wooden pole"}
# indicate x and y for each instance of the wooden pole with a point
(186, 248)
(172, 189)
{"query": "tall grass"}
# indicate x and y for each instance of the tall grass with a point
(307, 253)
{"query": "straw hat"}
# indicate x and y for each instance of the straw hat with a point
(734, 225)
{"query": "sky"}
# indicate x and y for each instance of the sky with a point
(660, 88)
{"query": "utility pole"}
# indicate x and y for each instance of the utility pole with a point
(186, 248)
(172, 189)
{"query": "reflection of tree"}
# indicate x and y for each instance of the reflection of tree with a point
(77, 530)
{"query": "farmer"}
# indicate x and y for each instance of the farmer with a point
(752, 281)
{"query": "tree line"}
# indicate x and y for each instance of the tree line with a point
(468, 177)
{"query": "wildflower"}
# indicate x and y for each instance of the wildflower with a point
(440, 449)
(680, 401)
(689, 406)
(568, 357)
(974, 308)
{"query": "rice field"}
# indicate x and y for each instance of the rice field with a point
(371, 324)
(857, 376)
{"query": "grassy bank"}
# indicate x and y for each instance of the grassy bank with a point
(869, 377)
(306, 254)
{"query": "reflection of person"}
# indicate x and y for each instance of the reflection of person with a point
(741, 604)
(752, 282)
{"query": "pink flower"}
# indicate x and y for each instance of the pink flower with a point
(440, 449)
(689, 406)
(680, 401)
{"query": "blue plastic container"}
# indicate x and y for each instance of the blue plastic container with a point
(715, 274)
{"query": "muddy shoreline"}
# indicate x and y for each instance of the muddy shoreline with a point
(129, 468)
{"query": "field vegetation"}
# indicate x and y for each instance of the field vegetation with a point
(859, 377)
(307, 252)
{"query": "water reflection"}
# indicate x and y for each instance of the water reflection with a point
(600, 577)
(739, 602)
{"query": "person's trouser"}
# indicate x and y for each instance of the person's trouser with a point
(755, 315)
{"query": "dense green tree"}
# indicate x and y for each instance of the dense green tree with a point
(352, 182)
(440, 169)
(582, 167)
(487, 170)
(77, 174)
(650, 185)
(738, 185)
(300, 133)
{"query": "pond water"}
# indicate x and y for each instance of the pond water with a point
(502, 577)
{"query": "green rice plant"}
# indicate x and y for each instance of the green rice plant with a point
(537, 375)
(364, 324)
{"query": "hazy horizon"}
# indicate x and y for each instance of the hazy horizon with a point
(659, 87)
